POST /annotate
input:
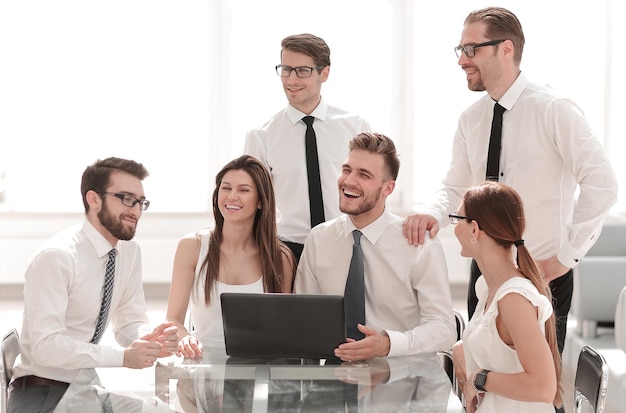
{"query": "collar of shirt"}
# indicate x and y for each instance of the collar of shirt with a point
(295, 115)
(511, 96)
(373, 231)
(96, 239)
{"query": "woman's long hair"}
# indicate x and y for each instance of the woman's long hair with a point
(498, 210)
(271, 250)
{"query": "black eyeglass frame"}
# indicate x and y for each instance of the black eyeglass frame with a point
(470, 49)
(129, 200)
(454, 218)
(280, 68)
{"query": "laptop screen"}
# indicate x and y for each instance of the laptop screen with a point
(274, 325)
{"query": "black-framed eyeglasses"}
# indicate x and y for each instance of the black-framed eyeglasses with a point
(454, 218)
(470, 49)
(129, 200)
(301, 71)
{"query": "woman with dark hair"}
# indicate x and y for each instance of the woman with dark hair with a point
(242, 253)
(508, 360)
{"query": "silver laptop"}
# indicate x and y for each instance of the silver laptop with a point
(275, 325)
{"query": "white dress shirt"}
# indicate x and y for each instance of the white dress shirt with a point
(279, 144)
(407, 292)
(62, 298)
(548, 149)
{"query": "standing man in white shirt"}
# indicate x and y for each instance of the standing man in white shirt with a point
(78, 281)
(549, 155)
(407, 300)
(280, 142)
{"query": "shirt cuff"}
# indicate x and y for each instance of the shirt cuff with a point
(398, 343)
(111, 357)
(569, 256)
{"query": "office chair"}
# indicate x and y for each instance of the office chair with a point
(445, 357)
(10, 351)
(460, 324)
(591, 381)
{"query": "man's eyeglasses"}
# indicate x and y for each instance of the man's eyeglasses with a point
(301, 71)
(470, 49)
(454, 218)
(129, 200)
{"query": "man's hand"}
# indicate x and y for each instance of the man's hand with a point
(141, 354)
(373, 345)
(190, 347)
(552, 268)
(415, 226)
(167, 335)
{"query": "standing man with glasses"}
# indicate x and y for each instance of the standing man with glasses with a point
(548, 153)
(304, 144)
(80, 280)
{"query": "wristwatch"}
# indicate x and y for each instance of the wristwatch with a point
(480, 379)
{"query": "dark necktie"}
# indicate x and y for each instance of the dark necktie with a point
(107, 292)
(354, 294)
(495, 144)
(316, 203)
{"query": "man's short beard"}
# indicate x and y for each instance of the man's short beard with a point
(115, 225)
(368, 204)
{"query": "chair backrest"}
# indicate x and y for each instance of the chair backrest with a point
(10, 351)
(620, 321)
(445, 357)
(591, 381)
(460, 324)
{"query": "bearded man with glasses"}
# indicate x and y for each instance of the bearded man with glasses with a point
(548, 153)
(78, 282)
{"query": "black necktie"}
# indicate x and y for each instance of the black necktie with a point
(316, 203)
(107, 292)
(354, 294)
(495, 144)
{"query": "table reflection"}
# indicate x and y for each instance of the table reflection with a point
(221, 384)
(87, 393)
(218, 383)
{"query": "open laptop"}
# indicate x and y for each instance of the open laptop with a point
(273, 325)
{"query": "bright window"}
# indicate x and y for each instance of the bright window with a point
(83, 80)
(176, 85)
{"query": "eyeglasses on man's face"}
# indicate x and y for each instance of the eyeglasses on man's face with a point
(129, 200)
(454, 218)
(470, 49)
(301, 71)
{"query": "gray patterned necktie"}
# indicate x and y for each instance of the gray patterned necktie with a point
(107, 292)
(354, 294)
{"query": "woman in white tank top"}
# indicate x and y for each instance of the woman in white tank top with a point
(242, 253)
(508, 360)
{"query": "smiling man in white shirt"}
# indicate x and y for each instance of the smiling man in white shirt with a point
(64, 308)
(280, 142)
(549, 155)
(408, 306)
